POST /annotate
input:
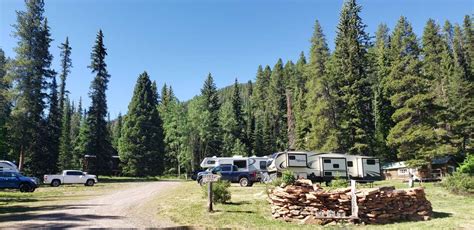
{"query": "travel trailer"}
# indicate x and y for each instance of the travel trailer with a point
(8, 166)
(321, 167)
(253, 163)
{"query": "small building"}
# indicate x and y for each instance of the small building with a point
(440, 167)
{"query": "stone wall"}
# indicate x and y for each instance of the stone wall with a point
(309, 203)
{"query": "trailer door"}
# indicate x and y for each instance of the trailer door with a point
(334, 167)
(371, 168)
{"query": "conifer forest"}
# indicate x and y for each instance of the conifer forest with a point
(396, 95)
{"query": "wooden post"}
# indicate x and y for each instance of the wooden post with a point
(209, 195)
(355, 208)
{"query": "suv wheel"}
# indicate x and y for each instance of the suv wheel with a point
(89, 183)
(201, 182)
(25, 188)
(55, 183)
(244, 182)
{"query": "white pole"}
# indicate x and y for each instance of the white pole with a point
(355, 208)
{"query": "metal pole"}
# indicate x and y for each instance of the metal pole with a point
(209, 195)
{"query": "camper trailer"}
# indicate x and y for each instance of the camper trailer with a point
(8, 166)
(321, 167)
(253, 163)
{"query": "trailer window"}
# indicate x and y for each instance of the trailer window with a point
(371, 162)
(241, 164)
(327, 161)
(292, 157)
(327, 173)
(211, 162)
(336, 166)
(350, 164)
(263, 165)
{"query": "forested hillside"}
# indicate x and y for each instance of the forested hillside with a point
(397, 96)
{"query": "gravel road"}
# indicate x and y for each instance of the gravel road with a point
(130, 207)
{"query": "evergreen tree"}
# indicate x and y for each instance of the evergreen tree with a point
(414, 132)
(117, 131)
(65, 160)
(468, 40)
(66, 65)
(96, 140)
(354, 99)
(54, 128)
(30, 73)
(4, 106)
(383, 110)
(141, 145)
(320, 96)
(210, 136)
(277, 109)
(299, 105)
(259, 106)
(237, 131)
(249, 121)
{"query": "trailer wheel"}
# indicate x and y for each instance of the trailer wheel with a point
(244, 182)
(55, 183)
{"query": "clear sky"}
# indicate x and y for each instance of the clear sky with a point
(179, 42)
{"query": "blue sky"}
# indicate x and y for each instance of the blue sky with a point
(180, 42)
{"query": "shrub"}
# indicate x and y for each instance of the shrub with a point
(288, 177)
(276, 182)
(220, 191)
(339, 182)
(468, 165)
(459, 183)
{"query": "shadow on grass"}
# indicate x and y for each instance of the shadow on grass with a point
(238, 203)
(20, 209)
(440, 215)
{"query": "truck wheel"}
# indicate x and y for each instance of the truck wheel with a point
(89, 183)
(25, 188)
(200, 182)
(244, 182)
(55, 183)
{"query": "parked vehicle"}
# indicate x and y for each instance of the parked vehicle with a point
(14, 180)
(243, 163)
(195, 173)
(70, 177)
(321, 167)
(231, 173)
(8, 166)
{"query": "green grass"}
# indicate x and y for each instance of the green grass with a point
(249, 209)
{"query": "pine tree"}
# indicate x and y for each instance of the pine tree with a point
(54, 128)
(414, 134)
(141, 145)
(355, 95)
(4, 106)
(259, 107)
(320, 96)
(96, 136)
(237, 131)
(468, 40)
(210, 136)
(299, 103)
(30, 73)
(461, 96)
(117, 130)
(383, 110)
(249, 121)
(66, 65)
(277, 109)
(65, 160)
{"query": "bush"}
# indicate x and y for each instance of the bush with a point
(220, 191)
(459, 183)
(339, 183)
(468, 165)
(288, 177)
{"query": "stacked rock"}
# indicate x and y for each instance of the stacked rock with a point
(309, 203)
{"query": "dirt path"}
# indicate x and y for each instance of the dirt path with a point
(126, 208)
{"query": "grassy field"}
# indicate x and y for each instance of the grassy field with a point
(249, 209)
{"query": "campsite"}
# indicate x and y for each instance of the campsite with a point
(237, 114)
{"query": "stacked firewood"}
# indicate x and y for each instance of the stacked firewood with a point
(309, 203)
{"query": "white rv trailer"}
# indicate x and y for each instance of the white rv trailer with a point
(252, 163)
(325, 166)
(8, 166)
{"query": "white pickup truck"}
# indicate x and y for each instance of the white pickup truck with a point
(70, 177)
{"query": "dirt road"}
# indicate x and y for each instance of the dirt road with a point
(129, 207)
